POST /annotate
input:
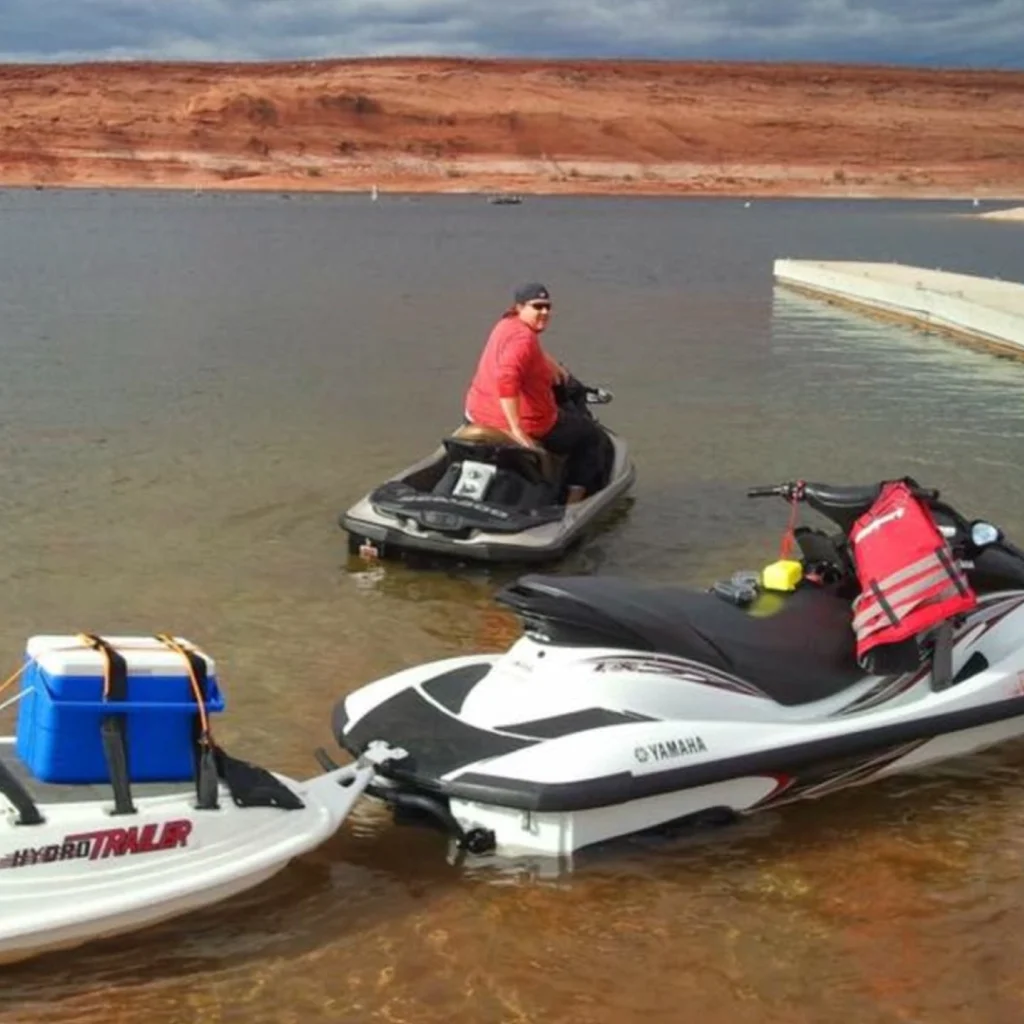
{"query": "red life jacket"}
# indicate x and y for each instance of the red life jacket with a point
(909, 579)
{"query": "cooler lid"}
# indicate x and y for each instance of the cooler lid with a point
(66, 655)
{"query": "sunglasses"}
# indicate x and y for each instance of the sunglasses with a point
(541, 307)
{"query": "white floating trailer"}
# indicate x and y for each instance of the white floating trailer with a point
(86, 850)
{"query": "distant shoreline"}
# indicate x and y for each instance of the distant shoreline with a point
(527, 190)
(448, 126)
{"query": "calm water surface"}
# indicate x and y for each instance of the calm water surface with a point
(192, 388)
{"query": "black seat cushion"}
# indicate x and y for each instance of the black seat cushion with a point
(796, 647)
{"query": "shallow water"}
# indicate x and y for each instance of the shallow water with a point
(193, 388)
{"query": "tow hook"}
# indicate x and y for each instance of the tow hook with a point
(477, 840)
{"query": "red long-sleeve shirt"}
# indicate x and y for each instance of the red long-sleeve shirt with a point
(513, 363)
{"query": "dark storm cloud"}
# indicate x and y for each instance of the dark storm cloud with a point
(979, 33)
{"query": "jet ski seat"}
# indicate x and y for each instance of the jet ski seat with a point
(796, 648)
(473, 433)
(488, 444)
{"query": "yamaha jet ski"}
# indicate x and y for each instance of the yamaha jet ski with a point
(482, 497)
(626, 707)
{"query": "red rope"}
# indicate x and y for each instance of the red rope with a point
(788, 539)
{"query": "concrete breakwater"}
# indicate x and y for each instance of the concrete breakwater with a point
(977, 309)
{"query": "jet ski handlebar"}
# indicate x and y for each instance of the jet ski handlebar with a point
(774, 491)
(574, 391)
(843, 505)
(798, 490)
(972, 539)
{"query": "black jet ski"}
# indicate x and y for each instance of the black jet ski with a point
(482, 497)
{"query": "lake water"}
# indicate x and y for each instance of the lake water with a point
(192, 388)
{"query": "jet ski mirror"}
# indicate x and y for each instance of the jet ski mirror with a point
(983, 534)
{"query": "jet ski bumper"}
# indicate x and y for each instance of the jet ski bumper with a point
(374, 535)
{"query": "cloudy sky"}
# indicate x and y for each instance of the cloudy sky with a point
(977, 33)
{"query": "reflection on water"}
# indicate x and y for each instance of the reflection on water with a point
(950, 402)
(194, 390)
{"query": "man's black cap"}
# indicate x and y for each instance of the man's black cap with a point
(531, 293)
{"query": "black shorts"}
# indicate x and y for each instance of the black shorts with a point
(586, 447)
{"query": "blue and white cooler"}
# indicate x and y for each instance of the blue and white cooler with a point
(60, 715)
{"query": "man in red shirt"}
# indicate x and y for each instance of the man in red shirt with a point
(512, 390)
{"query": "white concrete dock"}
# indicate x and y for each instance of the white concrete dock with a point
(979, 309)
(1014, 213)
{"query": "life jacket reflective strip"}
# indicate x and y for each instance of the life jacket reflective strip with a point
(879, 615)
(893, 603)
(909, 578)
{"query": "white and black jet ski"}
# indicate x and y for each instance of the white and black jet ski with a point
(482, 497)
(626, 707)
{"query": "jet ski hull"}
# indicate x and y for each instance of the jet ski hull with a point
(560, 833)
(548, 748)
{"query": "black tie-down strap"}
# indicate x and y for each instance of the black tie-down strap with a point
(20, 798)
(252, 786)
(248, 784)
(114, 726)
(203, 747)
(941, 644)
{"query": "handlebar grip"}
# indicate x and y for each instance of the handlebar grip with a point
(766, 492)
(598, 396)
